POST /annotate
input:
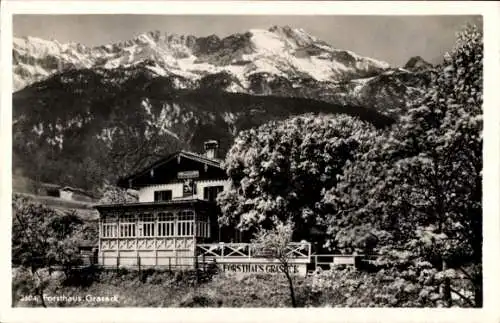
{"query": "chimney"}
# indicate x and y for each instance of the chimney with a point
(211, 149)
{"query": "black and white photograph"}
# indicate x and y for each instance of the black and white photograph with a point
(247, 161)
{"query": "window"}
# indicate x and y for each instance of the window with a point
(165, 195)
(147, 217)
(147, 225)
(108, 226)
(110, 219)
(203, 226)
(185, 223)
(165, 224)
(108, 230)
(128, 218)
(203, 230)
(186, 215)
(210, 193)
(127, 226)
(166, 217)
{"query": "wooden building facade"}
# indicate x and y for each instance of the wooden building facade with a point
(176, 212)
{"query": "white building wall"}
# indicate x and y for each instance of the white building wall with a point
(146, 194)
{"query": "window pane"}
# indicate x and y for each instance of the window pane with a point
(109, 219)
(210, 193)
(186, 215)
(165, 195)
(165, 216)
(128, 218)
(147, 217)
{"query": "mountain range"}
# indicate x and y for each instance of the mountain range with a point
(101, 112)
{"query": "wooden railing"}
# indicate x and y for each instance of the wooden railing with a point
(249, 250)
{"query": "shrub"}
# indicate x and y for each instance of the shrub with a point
(392, 287)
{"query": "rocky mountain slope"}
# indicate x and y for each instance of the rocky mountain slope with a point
(417, 63)
(279, 51)
(98, 113)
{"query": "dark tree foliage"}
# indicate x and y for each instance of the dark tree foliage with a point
(43, 237)
(281, 170)
(415, 194)
(44, 246)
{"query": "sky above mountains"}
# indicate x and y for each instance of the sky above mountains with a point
(393, 39)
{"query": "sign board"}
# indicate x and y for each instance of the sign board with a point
(188, 187)
(261, 268)
(188, 174)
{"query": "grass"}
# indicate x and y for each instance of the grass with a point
(83, 209)
(58, 202)
(341, 288)
(157, 289)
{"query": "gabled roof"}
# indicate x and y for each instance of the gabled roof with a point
(201, 158)
(186, 154)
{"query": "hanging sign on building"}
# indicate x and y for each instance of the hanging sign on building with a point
(188, 174)
(188, 187)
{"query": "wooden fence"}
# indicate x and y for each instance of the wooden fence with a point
(224, 251)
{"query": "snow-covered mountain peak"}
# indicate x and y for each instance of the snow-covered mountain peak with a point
(297, 35)
(280, 50)
(145, 39)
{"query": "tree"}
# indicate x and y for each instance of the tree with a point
(275, 243)
(417, 191)
(134, 145)
(41, 239)
(281, 170)
(112, 194)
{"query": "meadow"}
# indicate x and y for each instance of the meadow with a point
(149, 288)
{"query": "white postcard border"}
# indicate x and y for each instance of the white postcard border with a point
(491, 178)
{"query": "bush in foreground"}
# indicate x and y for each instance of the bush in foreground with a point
(411, 287)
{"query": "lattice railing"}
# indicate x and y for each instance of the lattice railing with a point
(248, 250)
(299, 249)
